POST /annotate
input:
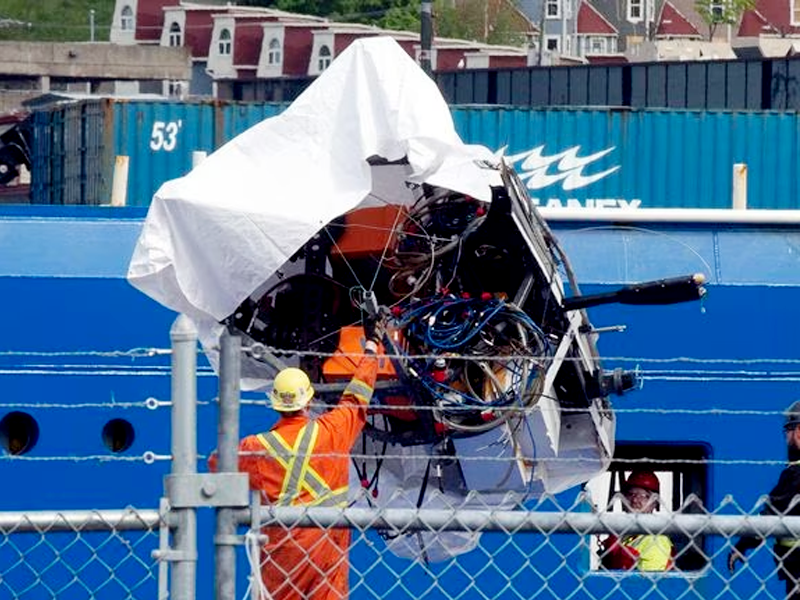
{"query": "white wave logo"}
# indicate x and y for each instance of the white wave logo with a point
(569, 165)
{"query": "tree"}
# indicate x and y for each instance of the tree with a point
(722, 12)
(479, 20)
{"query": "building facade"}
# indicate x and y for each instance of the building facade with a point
(239, 52)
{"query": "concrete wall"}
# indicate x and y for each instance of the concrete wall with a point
(94, 61)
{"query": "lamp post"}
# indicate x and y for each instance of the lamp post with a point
(426, 36)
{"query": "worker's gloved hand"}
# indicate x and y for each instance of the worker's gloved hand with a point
(614, 555)
(374, 328)
(734, 556)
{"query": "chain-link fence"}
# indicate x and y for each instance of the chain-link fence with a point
(425, 539)
(544, 552)
(79, 554)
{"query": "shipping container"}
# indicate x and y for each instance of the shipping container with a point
(569, 157)
(643, 159)
(758, 84)
(741, 84)
(75, 145)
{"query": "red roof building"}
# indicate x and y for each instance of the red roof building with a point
(754, 24)
(674, 24)
(190, 27)
(139, 21)
(596, 36)
(591, 22)
(232, 45)
(150, 19)
(771, 17)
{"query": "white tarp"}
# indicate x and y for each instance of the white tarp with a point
(212, 237)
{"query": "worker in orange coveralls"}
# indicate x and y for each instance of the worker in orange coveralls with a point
(644, 552)
(305, 461)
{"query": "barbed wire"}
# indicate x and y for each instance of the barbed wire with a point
(642, 375)
(149, 404)
(150, 457)
(256, 349)
(55, 370)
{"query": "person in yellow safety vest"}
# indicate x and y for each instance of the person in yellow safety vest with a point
(644, 552)
(304, 461)
(782, 501)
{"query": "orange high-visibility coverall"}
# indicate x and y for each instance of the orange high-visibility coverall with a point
(303, 461)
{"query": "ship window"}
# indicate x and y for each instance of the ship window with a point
(19, 433)
(118, 435)
(683, 476)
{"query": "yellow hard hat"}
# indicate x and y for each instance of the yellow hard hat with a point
(291, 390)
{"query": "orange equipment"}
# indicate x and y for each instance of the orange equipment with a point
(367, 231)
(345, 359)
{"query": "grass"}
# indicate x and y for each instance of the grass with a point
(55, 20)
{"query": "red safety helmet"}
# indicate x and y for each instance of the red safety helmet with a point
(642, 479)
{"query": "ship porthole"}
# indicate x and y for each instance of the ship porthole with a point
(118, 435)
(19, 433)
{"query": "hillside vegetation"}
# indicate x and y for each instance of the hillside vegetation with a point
(55, 20)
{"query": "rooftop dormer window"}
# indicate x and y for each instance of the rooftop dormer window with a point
(324, 60)
(225, 42)
(126, 22)
(274, 52)
(175, 37)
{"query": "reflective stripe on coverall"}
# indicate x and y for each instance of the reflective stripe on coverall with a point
(303, 461)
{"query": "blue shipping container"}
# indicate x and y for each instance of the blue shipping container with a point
(567, 157)
(648, 159)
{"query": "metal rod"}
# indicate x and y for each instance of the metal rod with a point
(230, 368)
(426, 37)
(79, 520)
(402, 520)
(184, 453)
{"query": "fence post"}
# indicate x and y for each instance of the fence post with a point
(184, 453)
(225, 540)
(740, 186)
(119, 182)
